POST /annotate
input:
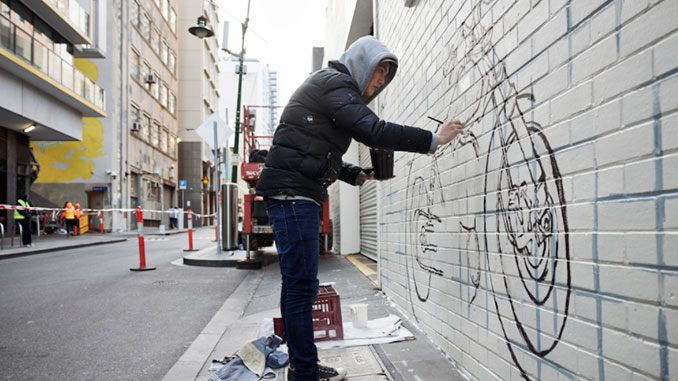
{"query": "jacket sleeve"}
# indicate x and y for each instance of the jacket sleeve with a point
(344, 103)
(350, 174)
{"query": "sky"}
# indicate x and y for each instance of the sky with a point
(281, 34)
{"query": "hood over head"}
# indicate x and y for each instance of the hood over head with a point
(362, 57)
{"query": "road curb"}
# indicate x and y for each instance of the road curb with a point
(58, 248)
(191, 362)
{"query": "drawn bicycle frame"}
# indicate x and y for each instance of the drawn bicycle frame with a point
(527, 251)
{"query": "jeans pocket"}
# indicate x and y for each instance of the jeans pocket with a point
(276, 214)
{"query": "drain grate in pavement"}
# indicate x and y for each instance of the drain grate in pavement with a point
(165, 282)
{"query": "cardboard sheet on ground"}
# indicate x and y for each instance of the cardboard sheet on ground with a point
(378, 331)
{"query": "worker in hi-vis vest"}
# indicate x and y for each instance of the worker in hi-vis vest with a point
(69, 216)
(78, 214)
(23, 218)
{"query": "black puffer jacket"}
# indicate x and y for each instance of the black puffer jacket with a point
(315, 130)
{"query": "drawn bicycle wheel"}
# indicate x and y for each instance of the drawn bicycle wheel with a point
(421, 225)
(528, 250)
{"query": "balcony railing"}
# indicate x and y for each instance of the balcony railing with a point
(75, 13)
(32, 51)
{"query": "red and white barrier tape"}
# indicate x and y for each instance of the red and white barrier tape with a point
(96, 211)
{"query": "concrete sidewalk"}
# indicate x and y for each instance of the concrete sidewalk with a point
(239, 319)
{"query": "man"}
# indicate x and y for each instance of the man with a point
(173, 215)
(77, 212)
(316, 127)
(23, 218)
(69, 216)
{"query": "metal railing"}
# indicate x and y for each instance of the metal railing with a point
(75, 13)
(46, 60)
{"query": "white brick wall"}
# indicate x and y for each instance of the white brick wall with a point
(598, 85)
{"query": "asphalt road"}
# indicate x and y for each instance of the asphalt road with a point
(83, 315)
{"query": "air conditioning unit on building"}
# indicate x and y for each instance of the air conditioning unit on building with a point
(136, 127)
(151, 79)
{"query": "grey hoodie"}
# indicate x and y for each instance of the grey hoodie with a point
(362, 57)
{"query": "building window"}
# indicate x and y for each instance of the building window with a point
(133, 184)
(173, 20)
(155, 134)
(6, 32)
(155, 41)
(134, 116)
(152, 191)
(164, 53)
(155, 88)
(165, 9)
(22, 17)
(146, 27)
(172, 104)
(134, 65)
(134, 13)
(163, 140)
(145, 71)
(146, 128)
(163, 94)
(173, 146)
(172, 63)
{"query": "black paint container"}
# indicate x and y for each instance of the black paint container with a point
(382, 161)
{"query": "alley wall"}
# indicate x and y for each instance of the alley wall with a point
(542, 243)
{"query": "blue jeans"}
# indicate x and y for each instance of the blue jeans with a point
(296, 226)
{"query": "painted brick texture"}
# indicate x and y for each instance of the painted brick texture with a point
(542, 243)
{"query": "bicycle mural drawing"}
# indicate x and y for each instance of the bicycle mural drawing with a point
(522, 230)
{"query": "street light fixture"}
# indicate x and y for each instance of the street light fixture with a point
(201, 30)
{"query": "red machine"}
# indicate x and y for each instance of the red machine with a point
(257, 228)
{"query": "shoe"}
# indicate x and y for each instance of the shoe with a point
(331, 374)
(325, 374)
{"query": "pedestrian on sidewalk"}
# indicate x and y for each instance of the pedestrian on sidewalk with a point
(316, 128)
(23, 218)
(77, 211)
(173, 214)
(69, 217)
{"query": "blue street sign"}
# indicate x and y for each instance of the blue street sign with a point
(182, 184)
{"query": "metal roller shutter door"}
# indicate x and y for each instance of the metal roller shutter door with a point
(368, 210)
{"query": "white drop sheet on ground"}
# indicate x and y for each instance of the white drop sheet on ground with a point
(378, 331)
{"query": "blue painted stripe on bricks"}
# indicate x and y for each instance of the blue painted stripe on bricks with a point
(660, 215)
(545, 360)
(596, 279)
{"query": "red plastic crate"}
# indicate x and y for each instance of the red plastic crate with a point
(327, 322)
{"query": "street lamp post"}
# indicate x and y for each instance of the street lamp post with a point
(241, 59)
(201, 31)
